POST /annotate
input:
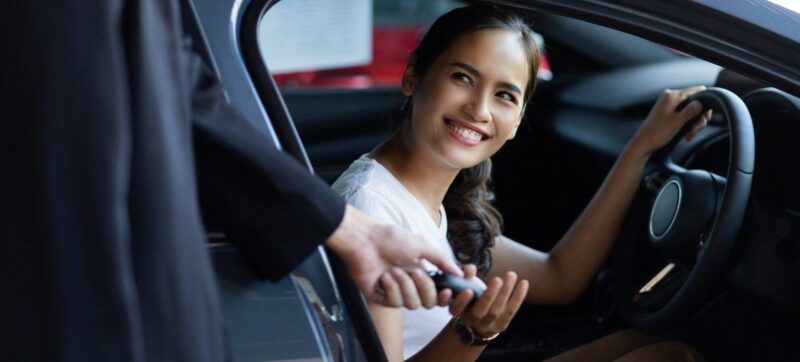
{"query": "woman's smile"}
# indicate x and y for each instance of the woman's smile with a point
(464, 133)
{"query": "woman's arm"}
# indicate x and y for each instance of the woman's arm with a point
(446, 347)
(389, 325)
(562, 275)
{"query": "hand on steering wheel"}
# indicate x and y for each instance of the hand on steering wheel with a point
(668, 117)
(691, 219)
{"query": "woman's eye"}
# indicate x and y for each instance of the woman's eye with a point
(507, 96)
(461, 77)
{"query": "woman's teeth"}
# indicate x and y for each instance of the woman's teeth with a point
(465, 132)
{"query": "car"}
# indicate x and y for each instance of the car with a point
(729, 282)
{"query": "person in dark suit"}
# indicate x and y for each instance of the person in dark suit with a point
(107, 171)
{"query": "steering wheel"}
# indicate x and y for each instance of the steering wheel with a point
(691, 218)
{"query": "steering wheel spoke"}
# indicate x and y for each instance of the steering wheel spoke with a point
(657, 176)
(660, 289)
(719, 183)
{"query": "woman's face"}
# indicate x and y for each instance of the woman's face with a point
(469, 102)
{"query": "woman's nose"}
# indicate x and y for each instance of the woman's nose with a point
(478, 108)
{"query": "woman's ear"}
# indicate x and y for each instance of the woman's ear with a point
(409, 81)
(408, 84)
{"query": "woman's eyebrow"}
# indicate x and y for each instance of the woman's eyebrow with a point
(474, 72)
(510, 87)
(470, 69)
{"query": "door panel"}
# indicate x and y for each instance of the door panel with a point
(310, 314)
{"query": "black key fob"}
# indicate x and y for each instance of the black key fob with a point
(456, 284)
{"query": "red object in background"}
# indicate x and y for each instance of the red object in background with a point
(391, 46)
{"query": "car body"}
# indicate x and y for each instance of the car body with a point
(604, 82)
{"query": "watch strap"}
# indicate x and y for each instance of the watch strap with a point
(468, 336)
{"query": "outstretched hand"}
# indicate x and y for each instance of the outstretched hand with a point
(498, 304)
(385, 262)
(665, 119)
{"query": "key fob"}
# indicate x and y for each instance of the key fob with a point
(456, 284)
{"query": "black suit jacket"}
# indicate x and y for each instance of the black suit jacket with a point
(106, 141)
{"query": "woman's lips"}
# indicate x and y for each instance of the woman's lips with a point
(463, 134)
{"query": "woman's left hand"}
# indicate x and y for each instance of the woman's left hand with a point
(665, 120)
(492, 312)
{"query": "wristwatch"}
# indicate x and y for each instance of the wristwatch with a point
(467, 335)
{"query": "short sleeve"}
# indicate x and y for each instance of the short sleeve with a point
(380, 208)
(375, 205)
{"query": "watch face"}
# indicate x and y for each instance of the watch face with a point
(464, 334)
(467, 336)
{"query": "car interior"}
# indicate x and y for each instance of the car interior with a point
(603, 83)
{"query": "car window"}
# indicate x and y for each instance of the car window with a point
(395, 28)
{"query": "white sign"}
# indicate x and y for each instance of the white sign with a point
(297, 35)
(793, 5)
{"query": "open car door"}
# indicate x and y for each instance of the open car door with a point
(315, 313)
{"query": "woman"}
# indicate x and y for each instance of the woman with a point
(467, 85)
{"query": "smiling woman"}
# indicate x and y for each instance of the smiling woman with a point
(472, 93)
(466, 88)
(465, 80)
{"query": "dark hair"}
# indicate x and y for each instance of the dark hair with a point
(473, 222)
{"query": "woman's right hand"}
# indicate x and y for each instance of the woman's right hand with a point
(493, 311)
(665, 119)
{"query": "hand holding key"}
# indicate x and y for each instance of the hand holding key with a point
(492, 311)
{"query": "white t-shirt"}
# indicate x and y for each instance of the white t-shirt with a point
(371, 188)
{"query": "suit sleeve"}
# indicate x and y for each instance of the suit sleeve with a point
(265, 202)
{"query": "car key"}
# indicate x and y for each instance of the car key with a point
(457, 285)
